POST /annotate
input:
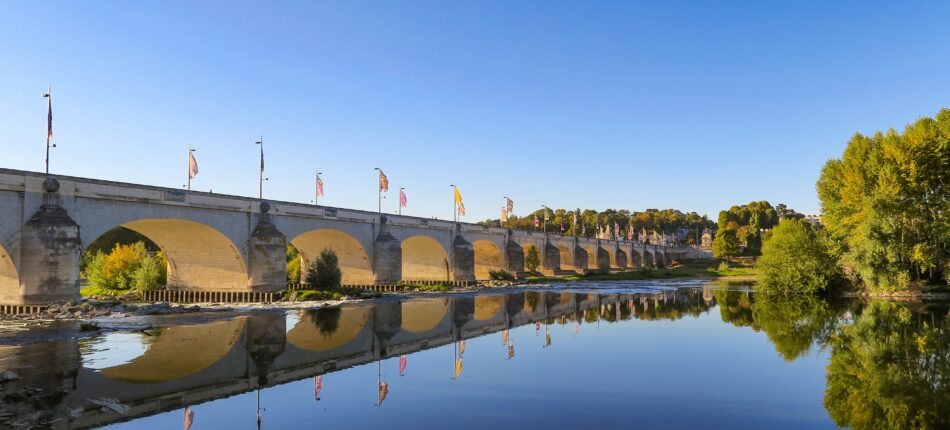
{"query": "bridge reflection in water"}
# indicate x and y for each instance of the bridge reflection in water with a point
(168, 368)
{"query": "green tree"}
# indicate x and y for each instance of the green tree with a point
(293, 264)
(796, 259)
(324, 273)
(151, 273)
(726, 243)
(885, 204)
(531, 259)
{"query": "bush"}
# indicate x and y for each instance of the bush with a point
(531, 259)
(501, 275)
(293, 264)
(324, 273)
(797, 259)
(150, 275)
(726, 243)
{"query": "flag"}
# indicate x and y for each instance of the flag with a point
(509, 205)
(616, 230)
(504, 216)
(403, 361)
(537, 327)
(383, 182)
(458, 368)
(574, 215)
(461, 209)
(192, 165)
(630, 232)
(189, 417)
(504, 337)
(546, 215)
(383, 391)
(461, 348)
(402, 199)
(458, 201)
(317, 386)
(562, 226)
(511, 351)
(49, 114)
(536, 222)
(319, 186)
(547, 338)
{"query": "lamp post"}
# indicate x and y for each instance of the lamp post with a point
(260, 188)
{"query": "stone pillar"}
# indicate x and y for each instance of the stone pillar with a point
(515, 256)
(581, 259)
(603, 258)
(266, 337)
(266, 255)
(387, 256)
(621, 259)
(463, 257)
(50, 251)
(659, 259)
(552, 257)
(387, 322)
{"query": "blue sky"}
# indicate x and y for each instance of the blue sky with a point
(691, 105)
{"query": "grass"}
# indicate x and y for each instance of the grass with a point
(422, 287)
(734, 272)
(93, 290)
(313, 295)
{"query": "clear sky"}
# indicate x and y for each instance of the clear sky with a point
(690, 105)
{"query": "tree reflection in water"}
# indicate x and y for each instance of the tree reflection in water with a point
(326, 319)
(890, 362)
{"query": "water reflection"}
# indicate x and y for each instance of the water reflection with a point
(889, 363)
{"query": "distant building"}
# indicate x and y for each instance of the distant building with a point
(814, 220)
(707, 239)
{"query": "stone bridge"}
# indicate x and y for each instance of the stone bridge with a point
(226, 243)
(253, 351)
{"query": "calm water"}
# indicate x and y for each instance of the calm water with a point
(638, 355)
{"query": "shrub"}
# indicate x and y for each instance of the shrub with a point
(501, 275)
(797, 259)
(293, 264)
(122, 268)
(324, 273)
(531, 259)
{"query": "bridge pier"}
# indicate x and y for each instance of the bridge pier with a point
(580, 259)
(387, 256)
(603, 258)
(267, 250)
(50, 250)
(552, 257)
(514, 254)
(463, 258)
(621, 259)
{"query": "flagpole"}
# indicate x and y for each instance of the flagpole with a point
(316, 195)
(260, 187)
(379, 191)
(49, 121)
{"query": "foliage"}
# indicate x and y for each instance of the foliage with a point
(428, 287)
(293, 264)
(324, 273)
(796, 259)
(531, 259)
(326, 319)
(795, 323)
(885, 203)
(890, 369)
(501, 275)
(726, 243)
(126, 267)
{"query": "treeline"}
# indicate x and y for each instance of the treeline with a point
(739, 229)
(660, 221)
(886, 216)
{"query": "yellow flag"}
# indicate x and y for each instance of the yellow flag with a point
(458, 196)
(458, 368)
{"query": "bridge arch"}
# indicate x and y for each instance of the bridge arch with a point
(175, 352)
(424, 259)
(354, 260)
(9, 279)
(591, 257)
(488, 257)
(199, 256)
(487, 307)
(567, 257)
(420, 316)
(326, 329)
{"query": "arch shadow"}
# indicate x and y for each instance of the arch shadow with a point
(424, 259)
(354, 260)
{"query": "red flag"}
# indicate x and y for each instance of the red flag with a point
(192, 165)
(317, 386)
(403, 361)
(402, 199)
(189, 417)
(319, 186)
(536, 222)
(49, 113)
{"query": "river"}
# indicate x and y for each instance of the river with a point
(664, 355)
